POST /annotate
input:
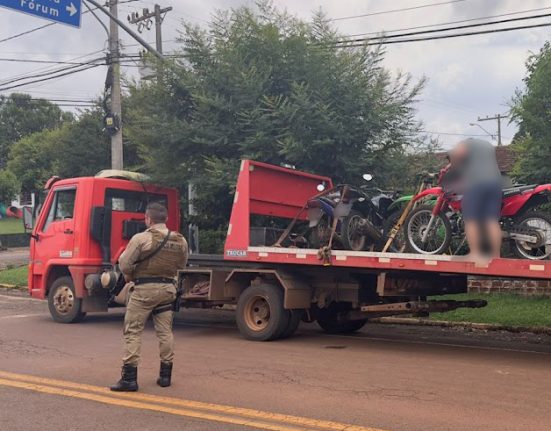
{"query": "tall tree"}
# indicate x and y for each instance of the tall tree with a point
(267, 86)
(21, 115)
(531, 108)
(78, 148)
(9, 186)
(32, 159)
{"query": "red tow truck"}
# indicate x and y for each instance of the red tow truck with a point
(85, 223)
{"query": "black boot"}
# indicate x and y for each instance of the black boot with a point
(128, 381)
(165, 374)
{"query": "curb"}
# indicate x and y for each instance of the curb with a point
(468, 325)
(13, 287)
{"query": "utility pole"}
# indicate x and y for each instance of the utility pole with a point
(145, 21)
(497, 117)
(112, 119)
(116, 110)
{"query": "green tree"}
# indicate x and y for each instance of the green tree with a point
(84, 148)
(267, 86)
(21, 115)
(531, 108)
(32, 159)
(75, 149)
(9, 186)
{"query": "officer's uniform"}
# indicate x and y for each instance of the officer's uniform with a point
(154, 288)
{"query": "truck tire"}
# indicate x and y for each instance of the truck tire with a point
(334, 327)
(295, 316)
(329, 323)
(260, 313)
(64, 306)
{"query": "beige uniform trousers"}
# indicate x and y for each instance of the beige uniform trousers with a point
(143, 299)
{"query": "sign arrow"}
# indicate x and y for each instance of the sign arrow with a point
(71, 9)
(62, 11)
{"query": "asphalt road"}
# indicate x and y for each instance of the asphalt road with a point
(389, 378)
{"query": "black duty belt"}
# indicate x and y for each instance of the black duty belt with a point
(163, 308)
(162, 280)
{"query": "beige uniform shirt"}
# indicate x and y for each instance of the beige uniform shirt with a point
(140, 243)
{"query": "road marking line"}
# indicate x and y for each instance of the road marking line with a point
(223, 409)
(145, 406)
(19, 316)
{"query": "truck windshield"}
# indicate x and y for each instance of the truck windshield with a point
(62, 208)
(131, 201)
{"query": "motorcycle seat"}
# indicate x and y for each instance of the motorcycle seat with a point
(512, 191)
(328, 201)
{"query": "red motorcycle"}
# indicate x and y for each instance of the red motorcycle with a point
(436, 220)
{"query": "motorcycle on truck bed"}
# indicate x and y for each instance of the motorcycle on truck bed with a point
(85, 223)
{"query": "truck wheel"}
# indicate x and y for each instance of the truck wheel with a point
(260, 313)
(64, 306)
(295, 316)
(331, 325)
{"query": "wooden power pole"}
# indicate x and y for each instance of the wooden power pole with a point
(145, 21)
(116, 107)
(497, 117)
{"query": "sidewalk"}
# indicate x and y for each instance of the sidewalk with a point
(14, 257)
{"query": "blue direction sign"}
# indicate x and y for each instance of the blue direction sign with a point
(63, 11)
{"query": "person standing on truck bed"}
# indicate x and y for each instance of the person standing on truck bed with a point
(151, 261)
(475, 162)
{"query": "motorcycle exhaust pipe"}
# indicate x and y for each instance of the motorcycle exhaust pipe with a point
(368, 229)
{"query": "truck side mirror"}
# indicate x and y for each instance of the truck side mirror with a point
(100, 229)
(28, 218)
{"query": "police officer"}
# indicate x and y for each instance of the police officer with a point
(150, 262)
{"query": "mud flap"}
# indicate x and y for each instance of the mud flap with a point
(95, 303)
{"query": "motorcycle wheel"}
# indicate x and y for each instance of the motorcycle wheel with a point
(351, 237)
(319, 235)
(439, 237)
(399, 243)
(534, 220)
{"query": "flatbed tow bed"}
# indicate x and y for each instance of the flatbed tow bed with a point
(275, 287)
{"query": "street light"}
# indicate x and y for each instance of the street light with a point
(488, 133)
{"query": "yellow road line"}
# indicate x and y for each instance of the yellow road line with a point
(145, 406)
(223, 409)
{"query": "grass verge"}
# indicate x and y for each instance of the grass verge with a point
(15, 276)
(502, 309)
(11, 225)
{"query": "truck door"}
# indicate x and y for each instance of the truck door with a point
(54, 236)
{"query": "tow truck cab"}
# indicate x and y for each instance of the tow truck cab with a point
(83, 227)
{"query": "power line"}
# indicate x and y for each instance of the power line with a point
(52, 68)
(382, 41)
(20, 60)
(449, 133)
(460, 27)
(394, 10)
(27, 32)
(450, 22)
(50, 77)
(49, 72)
(40, 99)
(32, 30)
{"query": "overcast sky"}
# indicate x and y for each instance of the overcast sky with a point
(467, 77)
